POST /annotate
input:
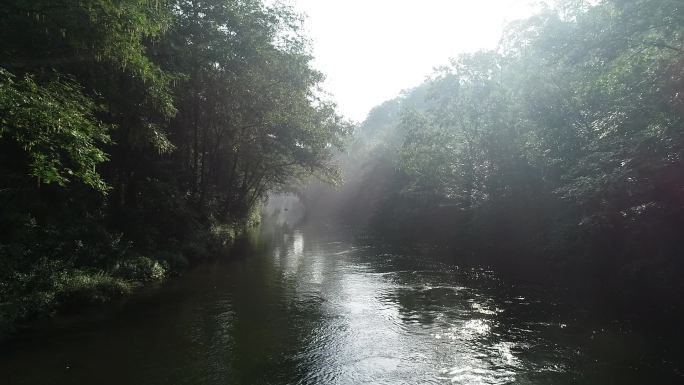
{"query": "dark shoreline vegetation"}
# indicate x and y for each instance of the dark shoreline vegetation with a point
(139, 137)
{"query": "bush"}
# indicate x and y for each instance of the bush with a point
(78, 288)
(141, 269)
(51, 286)
(224, 234)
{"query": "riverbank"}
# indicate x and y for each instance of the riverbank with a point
(52, 287)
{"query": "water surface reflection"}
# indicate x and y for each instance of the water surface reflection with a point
(306, 308)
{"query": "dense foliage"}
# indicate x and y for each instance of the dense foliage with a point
(136, 134)
(558, 153)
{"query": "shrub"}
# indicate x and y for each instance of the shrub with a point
(141, 269)
(224, 234)
(51, 286)
(79, 287)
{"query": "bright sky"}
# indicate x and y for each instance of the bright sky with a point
(371, 50)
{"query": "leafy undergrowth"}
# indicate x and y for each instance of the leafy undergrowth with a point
(52, 287)
(38, 282)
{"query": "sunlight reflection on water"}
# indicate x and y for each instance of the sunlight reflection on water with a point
(400, 326)
(309, 309)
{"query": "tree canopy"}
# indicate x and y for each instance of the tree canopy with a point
(564, 145)
(135, 134)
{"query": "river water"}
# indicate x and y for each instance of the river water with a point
(321, 307)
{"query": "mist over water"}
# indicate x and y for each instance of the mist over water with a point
(284, 209)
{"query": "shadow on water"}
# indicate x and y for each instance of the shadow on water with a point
(314, 306)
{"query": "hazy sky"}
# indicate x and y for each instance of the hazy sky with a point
(370, 50)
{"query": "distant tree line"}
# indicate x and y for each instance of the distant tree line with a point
(135, 134)
(559, 153)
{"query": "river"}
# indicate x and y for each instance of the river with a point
(309, 306)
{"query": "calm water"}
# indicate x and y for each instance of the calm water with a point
(303, 308)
